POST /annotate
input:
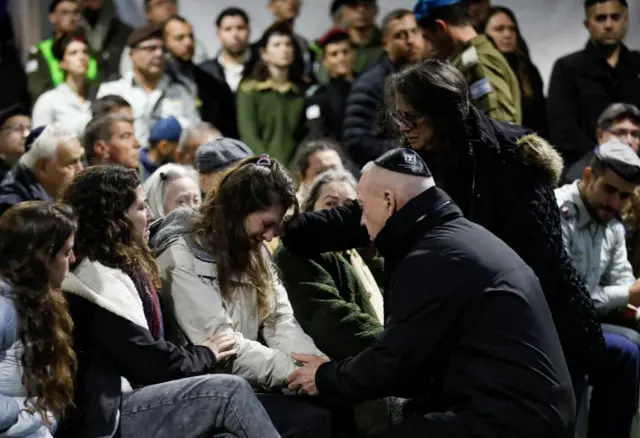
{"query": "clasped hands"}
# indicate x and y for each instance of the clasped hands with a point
(303, 380)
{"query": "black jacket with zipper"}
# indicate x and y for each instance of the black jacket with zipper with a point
(504, 182)
(476, 353)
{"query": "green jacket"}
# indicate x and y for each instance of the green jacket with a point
(44, 72)
(493, 85)
(270, 121)
(329, 302)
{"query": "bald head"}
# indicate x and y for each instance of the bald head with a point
(405, 187)
(382, 192)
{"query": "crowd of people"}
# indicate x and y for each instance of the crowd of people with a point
(386, 232)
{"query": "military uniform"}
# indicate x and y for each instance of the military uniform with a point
(598, 250)
(325, 108)
(44, 72)
(493, 85)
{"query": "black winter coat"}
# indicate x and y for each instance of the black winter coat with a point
(504, 181)
(20, 185)
(582, 86)
(364, 138)
(468, 334)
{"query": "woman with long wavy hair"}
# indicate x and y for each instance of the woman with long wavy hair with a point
(38, 364)
(131, 381)
(219, 278)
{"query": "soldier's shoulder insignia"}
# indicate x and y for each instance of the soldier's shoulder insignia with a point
(312, 90)
(469, 57)
(480, 88)
(569, 211)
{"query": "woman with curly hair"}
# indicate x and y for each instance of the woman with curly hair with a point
(219, 278)
(38, 364)
(131, 381)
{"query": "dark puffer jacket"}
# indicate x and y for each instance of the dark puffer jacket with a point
(504, 181)
(363, 138)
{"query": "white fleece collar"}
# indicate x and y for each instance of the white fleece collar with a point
(108, 288)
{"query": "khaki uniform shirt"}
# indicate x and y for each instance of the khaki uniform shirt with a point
(493, 85)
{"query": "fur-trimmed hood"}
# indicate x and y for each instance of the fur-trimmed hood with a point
(537, 152)
(523, 145)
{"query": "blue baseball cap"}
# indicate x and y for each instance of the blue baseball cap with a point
(423, 8)
(166, 129)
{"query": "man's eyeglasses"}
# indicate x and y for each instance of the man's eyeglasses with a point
(621, 132)
(150, 49)
(16, 128)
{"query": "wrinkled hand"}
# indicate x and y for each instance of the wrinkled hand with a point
(222, 345)
(303, 380)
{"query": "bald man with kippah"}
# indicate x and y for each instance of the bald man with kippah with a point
(468, 334)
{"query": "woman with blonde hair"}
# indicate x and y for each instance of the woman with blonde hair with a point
(37, 364)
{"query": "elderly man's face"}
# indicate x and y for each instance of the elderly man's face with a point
(56, 175)
(377, 204)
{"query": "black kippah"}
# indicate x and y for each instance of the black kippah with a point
(405, 161)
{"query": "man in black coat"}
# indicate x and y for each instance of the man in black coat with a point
(501, 175)
(364, 138)
(468, 335)
(583, 84)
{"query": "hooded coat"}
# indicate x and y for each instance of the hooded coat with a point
(504, 182)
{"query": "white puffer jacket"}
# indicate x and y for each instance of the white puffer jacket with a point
(190, 284)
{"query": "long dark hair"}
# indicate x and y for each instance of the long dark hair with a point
(246, 188)
(256, 68)
(437, 90)
(520, 60)
(101, 196)
(31, 235)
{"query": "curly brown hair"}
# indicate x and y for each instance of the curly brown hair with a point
(246, 188)
(31, 235)
(101, 196)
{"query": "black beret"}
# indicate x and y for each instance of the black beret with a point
(405, 161)
(54, 4)
(13, 110)
(144, 33)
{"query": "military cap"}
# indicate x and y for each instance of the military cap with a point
(333, 36)
(621, 159)
(143, 34)
(405, 161)
(423, 8)
(54, 4)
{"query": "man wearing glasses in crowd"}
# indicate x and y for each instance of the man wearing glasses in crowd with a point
(151, 93)
(620, 121)
(15, 124)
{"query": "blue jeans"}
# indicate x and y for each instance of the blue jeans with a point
(614, 398)
(196, 407)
